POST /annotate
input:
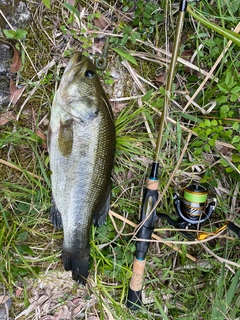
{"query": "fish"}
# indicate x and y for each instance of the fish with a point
(81, 145)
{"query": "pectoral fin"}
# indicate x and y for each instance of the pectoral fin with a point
(65, 137)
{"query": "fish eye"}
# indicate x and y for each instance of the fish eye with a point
(89, 74)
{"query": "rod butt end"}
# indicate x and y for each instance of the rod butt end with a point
(134, 299)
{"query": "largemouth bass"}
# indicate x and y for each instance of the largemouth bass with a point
(81, 144)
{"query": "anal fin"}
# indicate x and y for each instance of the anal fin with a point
(55, 216)
(101, 215)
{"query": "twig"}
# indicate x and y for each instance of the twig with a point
(6, 163)
(222, 260)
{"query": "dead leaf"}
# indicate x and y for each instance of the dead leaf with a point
(16, 62)
(3, 299)
(13, 86)
(63, 314)
(160, 79)
(41, 135)
(15, 91)
(187, 54)
(72, 2)
(18, 292)
(129, 175)
(118, 106)
(100, 22)
(6, 117)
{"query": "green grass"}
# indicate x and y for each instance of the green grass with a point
(174, 286)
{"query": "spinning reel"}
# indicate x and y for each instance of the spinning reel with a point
(192, 210)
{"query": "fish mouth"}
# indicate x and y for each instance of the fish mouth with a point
(77, 65)
(75, 60)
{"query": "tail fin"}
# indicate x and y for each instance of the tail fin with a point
(78, 262)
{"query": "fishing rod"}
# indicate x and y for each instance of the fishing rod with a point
(150, 196)
(192, 209)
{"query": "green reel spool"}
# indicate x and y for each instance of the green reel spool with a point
(194, 200)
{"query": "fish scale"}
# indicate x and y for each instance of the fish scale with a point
(81, 143)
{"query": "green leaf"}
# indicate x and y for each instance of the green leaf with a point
(224, 108)
(47, 3)
(124, 39)
(236, 139)
(224, 162)
(220, 129)
(231, 83)
(15, 34)
(22, 236)
(160, 308)
(97, 15)
(186, 115)
(208, 131)
(147, 96)
(9, 33)
(134, 36)
(223, 88)
(197, 143)
(222, 99)
(72, 9)
(235, 158)
(233, 97)
(228, 78)
(207, 147)
(214, 122)
(125, 55)
(198, 151)
(235, 89)
(229, 133)
(211, 142)
(235, 126)
(209, 42)
(127, 30)
(208, 123)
